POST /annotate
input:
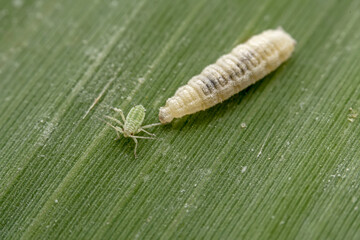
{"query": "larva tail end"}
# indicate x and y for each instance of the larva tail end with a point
(164, 115)
(279, 28)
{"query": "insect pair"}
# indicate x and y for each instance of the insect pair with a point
(131, 125)
(244, 65)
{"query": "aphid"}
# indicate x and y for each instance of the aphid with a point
(246, 64)
(132, 124)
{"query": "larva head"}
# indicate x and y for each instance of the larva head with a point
(164, 115)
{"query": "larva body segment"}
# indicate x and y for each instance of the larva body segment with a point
(242, 67)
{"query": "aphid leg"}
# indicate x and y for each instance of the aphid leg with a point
(151, 125)
(115, 120)
(121, 113)
(136, 143)
(117, 129)
(151, 134)
(142, 137)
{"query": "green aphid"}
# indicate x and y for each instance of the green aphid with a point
(132, 124)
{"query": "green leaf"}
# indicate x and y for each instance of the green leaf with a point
(292, 173)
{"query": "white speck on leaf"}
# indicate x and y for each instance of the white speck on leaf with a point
(146, 178)
(17, 3)
(114, 3)
(352, 115)
(266, 138)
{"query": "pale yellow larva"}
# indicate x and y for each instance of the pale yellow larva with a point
(246, 64)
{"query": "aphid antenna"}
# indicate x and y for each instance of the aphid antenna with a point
(143, 137)
(115, 120)
(99, 97)
(136, 142)
(119, 111)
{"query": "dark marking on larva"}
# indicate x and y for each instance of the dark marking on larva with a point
(246, 61)
(239, 68)
(258, 58)
(209, 85)
(225, 66)
(213, 82)
(243, 67)
(205, 90)
(223, 80)
(216, 80)
(213, 76)
(251, 59)
(245, 52)
(233, 67)
(205, 87)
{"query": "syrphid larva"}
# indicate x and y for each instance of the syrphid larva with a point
(131, 125)
(246, 64)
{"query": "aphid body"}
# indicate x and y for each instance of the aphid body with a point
(134, 120)
(131, 125)
(243, 66)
